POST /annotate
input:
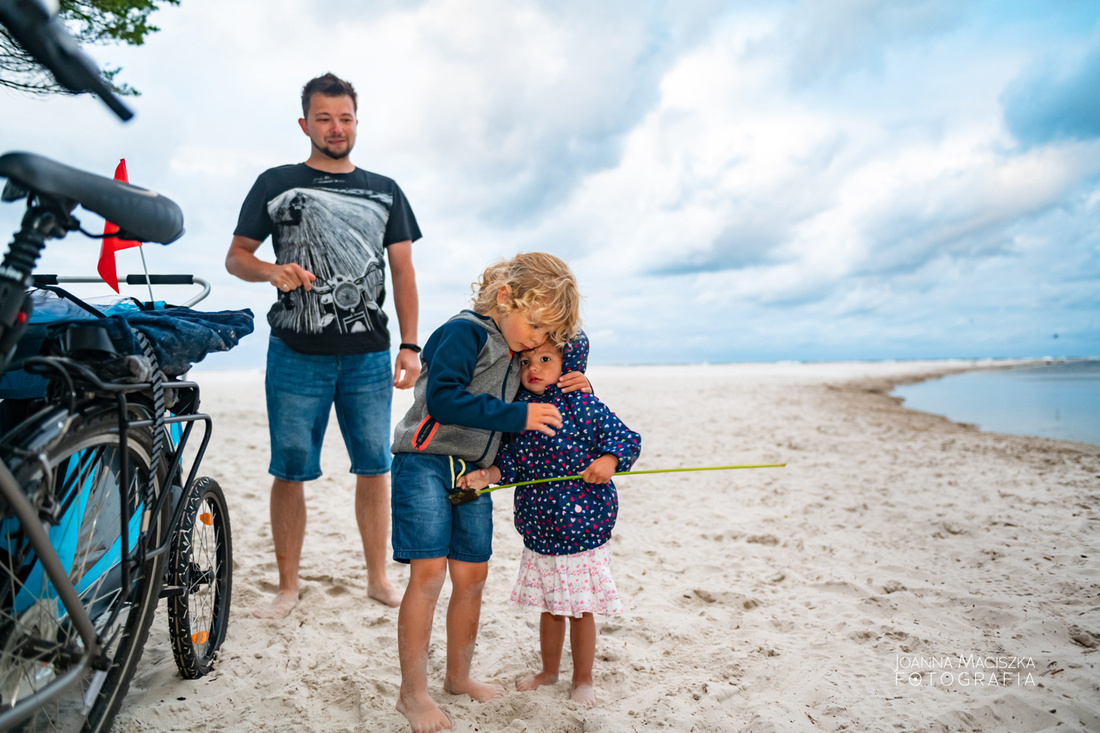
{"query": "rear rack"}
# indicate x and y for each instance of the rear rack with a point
(40, 280)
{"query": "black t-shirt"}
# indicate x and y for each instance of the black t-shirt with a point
(337, 226)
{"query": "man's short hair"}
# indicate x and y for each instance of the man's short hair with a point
(329, 85)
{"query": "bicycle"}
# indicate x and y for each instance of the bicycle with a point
(101, 512)
(97, 527)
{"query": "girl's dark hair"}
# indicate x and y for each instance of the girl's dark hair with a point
(329, 85)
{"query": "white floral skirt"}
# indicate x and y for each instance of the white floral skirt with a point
(568, 585)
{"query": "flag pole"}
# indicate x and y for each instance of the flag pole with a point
(148, 282)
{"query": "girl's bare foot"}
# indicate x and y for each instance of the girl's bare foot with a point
(386, 594)
(423, 714)
(584, 694)
(480, 691)
(533, 681)
(280, 607)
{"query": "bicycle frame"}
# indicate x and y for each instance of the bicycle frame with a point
(53, 425)
(53, 190)
(67, 594)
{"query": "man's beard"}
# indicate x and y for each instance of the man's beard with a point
(334, 154)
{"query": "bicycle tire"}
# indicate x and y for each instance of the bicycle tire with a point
(83, 471)
(200, 568)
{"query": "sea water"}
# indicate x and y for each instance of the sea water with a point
(1057, 400)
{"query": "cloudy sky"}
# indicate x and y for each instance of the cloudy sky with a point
(731, 181)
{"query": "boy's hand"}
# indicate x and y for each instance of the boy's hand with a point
(479, 479)
(601, 470)
(574, 381)
(542, 417)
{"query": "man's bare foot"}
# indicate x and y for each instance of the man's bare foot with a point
(533, 681)
(480, 691)
(423, 714)
(386, 594)
(281, 605)
(584, 694)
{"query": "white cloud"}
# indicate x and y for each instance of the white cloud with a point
(796, 180)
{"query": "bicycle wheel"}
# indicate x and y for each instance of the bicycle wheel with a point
(200, 568)
(38, 643)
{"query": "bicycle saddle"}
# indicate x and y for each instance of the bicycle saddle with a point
(140, 214)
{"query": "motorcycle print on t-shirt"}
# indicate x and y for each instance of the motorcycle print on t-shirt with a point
(338, 237)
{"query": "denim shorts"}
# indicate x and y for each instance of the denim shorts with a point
(301, 390)
(425, 523)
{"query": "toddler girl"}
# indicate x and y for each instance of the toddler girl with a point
(565, 570)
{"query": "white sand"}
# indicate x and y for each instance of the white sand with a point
(776, 599)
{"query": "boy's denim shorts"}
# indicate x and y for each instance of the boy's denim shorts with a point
(425, 523)
(301, 390)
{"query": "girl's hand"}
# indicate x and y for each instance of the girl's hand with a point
(574, 381)
(601, 470)
(543, 417)
(479, 479)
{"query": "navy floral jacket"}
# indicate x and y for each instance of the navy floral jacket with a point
(566, 517)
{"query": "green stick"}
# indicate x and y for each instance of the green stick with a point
(466, 495)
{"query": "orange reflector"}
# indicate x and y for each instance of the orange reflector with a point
(206, 518)
(200, 637)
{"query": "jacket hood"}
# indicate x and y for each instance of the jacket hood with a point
(574, 357)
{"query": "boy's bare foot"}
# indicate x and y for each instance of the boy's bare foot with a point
(584, 694)
(385, 594)
(480, 691)
(423, 714)
(533, 681)
(280, 607)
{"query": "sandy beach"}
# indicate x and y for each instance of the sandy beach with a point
(902, 573)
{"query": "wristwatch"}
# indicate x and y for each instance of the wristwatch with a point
(411, 347)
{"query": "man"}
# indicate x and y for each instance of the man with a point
(330, 223)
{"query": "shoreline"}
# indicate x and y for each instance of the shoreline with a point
(766, 599)
(888, 386)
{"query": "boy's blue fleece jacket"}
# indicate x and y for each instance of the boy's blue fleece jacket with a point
(463, 398)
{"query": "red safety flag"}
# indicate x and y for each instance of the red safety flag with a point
(111, 244)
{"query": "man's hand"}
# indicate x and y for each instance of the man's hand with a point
(542, 417)
(406, 368)
(601, 470)
(573, 381)
(242, 262)
(290, 276)
(479, 479)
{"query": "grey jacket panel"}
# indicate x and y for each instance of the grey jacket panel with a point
(495, 374)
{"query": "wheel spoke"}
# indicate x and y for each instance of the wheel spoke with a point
(201, 558)
(38, 641)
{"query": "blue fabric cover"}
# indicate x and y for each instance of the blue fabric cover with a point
(180, 336)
